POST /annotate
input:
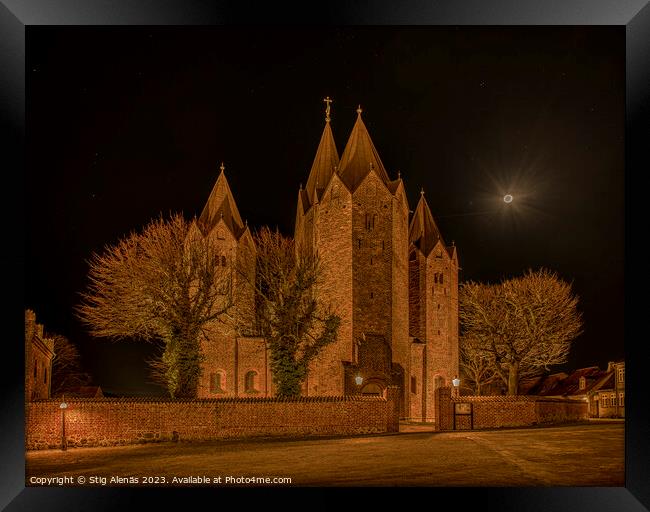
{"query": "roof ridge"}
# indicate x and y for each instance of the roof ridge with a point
(325, 162)
(360, 157)
(221, 204)
(423, 230)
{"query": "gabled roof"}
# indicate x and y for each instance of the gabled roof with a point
(541, 384)
(571, 384)
(606, 383)
(423, 232)
(325, 163)
(221, 204)
(359, 157)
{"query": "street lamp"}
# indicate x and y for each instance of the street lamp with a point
(359, 380)
(456, 382)
(63, 406)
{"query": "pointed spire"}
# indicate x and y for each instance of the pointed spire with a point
(360, 157)
(221, 205)
(423, 231)
(325, 161)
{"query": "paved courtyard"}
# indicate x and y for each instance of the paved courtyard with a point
(578, 455)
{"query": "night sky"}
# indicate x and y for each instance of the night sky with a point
(126, 123)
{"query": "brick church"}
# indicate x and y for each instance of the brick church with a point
(386, 271)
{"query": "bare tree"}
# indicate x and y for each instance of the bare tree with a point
(162, 285)
(476, 365)
(67, 371)
(295, 323)
(522, 325)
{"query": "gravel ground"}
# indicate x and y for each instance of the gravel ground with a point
(589, 454)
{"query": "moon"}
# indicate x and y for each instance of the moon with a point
(507, 198)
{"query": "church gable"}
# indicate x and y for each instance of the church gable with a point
(221, 205)
(335, 194)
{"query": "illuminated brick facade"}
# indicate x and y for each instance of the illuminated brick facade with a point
(39, 352)
(391, 279)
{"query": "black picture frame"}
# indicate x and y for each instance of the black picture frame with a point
(17, 15)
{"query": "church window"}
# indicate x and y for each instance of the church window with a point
(45, 376)
(35, 368)
(250, 382)
(383, 245)
(218, 382)
(372, 295)
(414, 388)
(621, 375)
(621, 399)
(583, 383)
(374, 218)
(223, 261)
(359, 242)
(438, 306)
(435, 277)
(440, 278)
(371, 260)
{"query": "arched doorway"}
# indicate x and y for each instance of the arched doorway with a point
(372, 388)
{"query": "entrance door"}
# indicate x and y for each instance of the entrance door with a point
(372, 388)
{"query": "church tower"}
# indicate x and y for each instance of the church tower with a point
(433, 311)
(356, 219)
(235, 363)
(394, 284)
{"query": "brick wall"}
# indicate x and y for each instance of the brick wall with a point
(506, 411)
(110, 422)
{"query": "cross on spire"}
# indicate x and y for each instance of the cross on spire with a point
(359, 110)
(422, 191)
(327, 109)
(222, 167)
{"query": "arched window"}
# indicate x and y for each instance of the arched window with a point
(250, 382)
(218, 382)
(374, 218)
(223, 261)
(441, 276)
(435, 277)
(35, 368)
(583, 383)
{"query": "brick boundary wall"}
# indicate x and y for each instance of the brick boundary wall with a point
(507, 411)
(119, 421)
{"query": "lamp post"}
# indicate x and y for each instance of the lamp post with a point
(359, 380)
(456, 382)
(63, 406)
